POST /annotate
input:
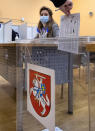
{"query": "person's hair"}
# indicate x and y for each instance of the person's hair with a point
(49, 23)
(46, 8)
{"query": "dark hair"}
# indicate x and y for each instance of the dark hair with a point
(1, 22)
(49, 23)
(58, 3)
(46, 8)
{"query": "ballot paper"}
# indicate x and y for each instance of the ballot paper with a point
(69, 33)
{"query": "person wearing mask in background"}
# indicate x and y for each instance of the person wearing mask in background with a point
(63, 5)
(47, 26)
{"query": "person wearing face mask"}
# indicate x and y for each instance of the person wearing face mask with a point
(63, 5)
(46, 26)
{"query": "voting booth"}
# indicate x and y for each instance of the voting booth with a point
(25, 31)
(21, 29)
(5, 32)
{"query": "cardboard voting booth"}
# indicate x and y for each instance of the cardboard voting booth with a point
(5, 32)
(22, 30)
(25, 31)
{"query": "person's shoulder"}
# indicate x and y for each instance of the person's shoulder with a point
(55, 25)
(55, 29)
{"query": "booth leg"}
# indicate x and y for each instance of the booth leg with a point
(19, 93)
(70, 84)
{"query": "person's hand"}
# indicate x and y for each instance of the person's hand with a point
(66, 7)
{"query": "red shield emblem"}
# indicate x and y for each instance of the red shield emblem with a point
(40, 92)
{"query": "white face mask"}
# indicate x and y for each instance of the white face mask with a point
(44, 19)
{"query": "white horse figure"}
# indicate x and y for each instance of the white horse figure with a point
(38, 93)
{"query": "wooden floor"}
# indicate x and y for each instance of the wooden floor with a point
(78, 121)
(7, 106)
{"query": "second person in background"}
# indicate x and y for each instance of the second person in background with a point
(47, 26)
